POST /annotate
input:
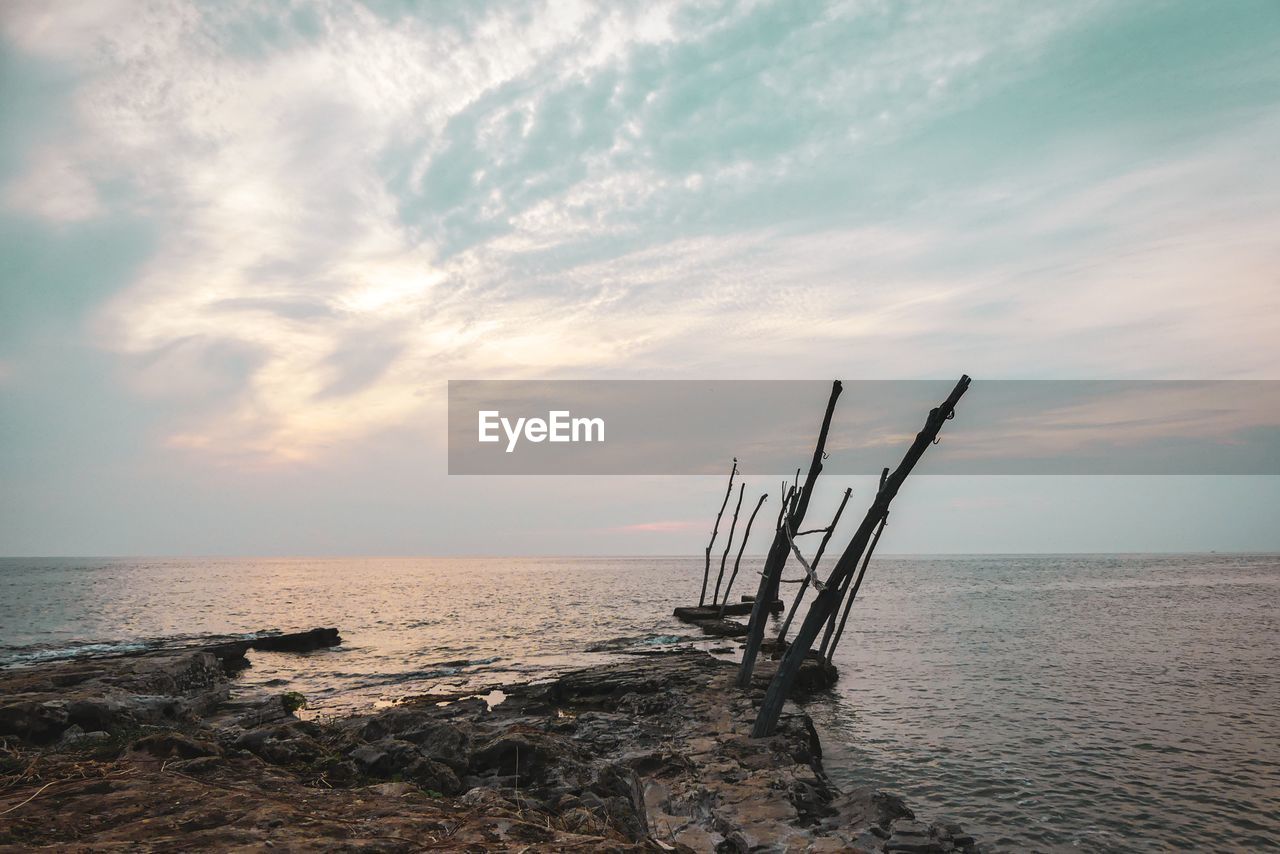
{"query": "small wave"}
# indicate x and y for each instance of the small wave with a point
(636, 642)
(18, 656)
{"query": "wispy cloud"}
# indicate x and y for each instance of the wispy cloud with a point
(354, 207)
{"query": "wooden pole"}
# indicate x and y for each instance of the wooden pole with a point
(826, 601)
(741, 548)
(831, 623)
(767, 591)
(715, 597)
(830, 652)
(706, 572)
(826, 537)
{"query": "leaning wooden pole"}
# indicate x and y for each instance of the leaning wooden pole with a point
(746, 534)
(822, 547)
(706, 572)
(767, 591)
(830, 643)
(844, 588)
(715, 597)
(827, 599)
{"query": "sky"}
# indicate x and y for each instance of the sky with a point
(244, 246)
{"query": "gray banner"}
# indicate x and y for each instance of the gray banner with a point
(666, 427)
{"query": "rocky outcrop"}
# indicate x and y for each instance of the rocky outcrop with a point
(40, 704)
(644, 755)
(160, 687)
(232, 652)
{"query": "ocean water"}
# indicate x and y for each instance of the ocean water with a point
(1082, 703)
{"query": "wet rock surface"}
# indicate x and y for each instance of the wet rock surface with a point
(914, 837)
(645, 755)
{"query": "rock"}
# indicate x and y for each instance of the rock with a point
(810, 798)
(912, 837)
(813, 675)
(912, 845)
(188, 674)
(371, 760)
(624, 802)
(199, 765)
(282, 744)
(734, 843)
(444, 743)
(298, 641)
(889, 808)
(393, 790)
(484, 797)
(909, 827)
(128, 709)
(268, 711)
(596, 760)
(80, 737)
(385, 757)
(34, 721)
(392, 757)
(721, 628)
(164, 745)
(697, 612)
(433, 776)
(526, 755)
(107, 694)
(231, 655)
(582, 820)
(99, 713)
(440, 740)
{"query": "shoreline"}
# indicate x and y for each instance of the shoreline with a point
(652, 753)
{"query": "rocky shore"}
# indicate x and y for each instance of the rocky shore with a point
(155, 752)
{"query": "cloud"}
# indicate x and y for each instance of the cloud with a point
(55, 190)
(358, 206)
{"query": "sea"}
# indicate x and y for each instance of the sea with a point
(1046, 702)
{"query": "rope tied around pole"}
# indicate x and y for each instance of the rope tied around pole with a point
(813, 576)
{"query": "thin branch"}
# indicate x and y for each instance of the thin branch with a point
(715, 597)
(706, 572)
(746, 534)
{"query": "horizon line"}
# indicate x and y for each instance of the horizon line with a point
(691, 555)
